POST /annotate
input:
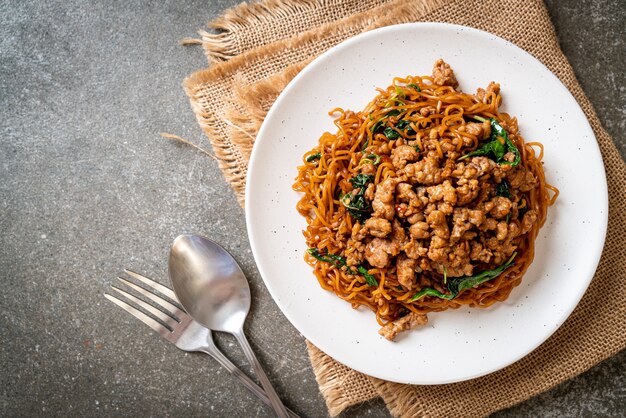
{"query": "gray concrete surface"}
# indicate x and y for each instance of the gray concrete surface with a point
(87, 187)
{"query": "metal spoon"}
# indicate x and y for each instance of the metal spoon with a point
(214, 291)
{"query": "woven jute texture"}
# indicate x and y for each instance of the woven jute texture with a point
(239, 27)
(264, 45)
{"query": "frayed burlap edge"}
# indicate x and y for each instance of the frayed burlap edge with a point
(251, 104)
(234, 156)
(403, 400)
(332, 378)
(226, 44)
(230, 160)
(237, 25)
(252, 101)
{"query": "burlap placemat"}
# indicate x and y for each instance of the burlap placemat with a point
(264, 45)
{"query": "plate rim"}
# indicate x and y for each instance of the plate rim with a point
(594, 258)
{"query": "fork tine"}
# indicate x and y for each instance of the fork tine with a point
(158, 286)
(158, 299)
(168, 319)
(157, 326)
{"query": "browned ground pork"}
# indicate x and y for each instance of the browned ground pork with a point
(440, 213)
(410, 321)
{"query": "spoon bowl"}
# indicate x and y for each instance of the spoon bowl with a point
(212, 288)
(209, 283)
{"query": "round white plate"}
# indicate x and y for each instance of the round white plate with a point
(456, 344)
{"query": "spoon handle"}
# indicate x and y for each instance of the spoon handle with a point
(241, 376)
(277, 404)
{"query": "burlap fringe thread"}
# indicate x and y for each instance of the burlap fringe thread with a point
(237, 28)
(225, 44)
(187, 142)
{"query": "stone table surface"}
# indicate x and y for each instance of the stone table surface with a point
(88, 187)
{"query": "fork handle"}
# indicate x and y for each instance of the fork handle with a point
(242, 377)
(277, 404)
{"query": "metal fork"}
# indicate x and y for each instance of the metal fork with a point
(179, 328)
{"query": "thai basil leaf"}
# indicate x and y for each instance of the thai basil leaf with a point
(494, 148)
(371, 280)
(522, 211)
(378, 125)
(502, 189)
(457, 284)
(360, 180)
(313, 157)
(429, 291)
(339, 262)
(391, 134)
(381, 121)
(498, 149)
(403, 124)
(510, 146)
(356, 204)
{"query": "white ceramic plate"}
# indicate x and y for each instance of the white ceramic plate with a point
(457, 344)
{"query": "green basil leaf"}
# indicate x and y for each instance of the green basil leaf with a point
(498, 150)
(522, 211)
(313, 157)
(339, 262)
(403, 124)
(502, 189)
(356, 204)
(429, 291)
(371, 280)
(360, 180)
(494, 148)
(498, 130)
(391, 134)
(378, 125)
(486, 149)
(457, 284)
